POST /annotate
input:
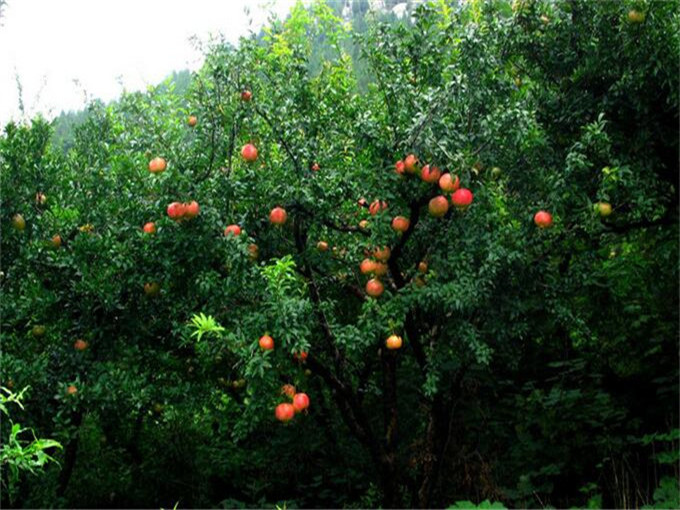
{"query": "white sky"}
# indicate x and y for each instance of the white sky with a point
(51, 43)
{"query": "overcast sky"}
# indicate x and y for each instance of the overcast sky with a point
(100, 43)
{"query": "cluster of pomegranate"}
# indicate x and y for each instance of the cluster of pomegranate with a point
(183, 211)
(300, 401)
(461, 198)
(374, 265)
(266, 343)
(179, 211)
(286, 411)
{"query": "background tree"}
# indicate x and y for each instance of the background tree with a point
(538, 366)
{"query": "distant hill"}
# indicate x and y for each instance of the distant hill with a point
(354, 12)
(65, 122)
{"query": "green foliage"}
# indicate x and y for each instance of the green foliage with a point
(281, 278)
(539, 366)
(667, 494)
(484, 504)
(19, 455)
(205, 324)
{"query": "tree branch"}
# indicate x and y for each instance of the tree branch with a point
(278, 135)
(213, 128)
(395, 271)
(345, 228)
(414, 341)
(428, 118)
(352, 414)
(328, 223)
(398, 248)
(300, 242)
(353, 288)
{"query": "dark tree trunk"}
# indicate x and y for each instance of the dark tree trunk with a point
(436, 437)
(389, 454)
(70, 456)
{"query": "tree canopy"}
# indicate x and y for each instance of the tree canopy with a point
(471, 351)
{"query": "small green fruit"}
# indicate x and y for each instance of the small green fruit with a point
(604, 208)
(18, 222)
(635, 16)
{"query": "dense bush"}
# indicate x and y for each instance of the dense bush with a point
(538, 367)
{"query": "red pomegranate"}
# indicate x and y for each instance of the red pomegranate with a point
(462, 198)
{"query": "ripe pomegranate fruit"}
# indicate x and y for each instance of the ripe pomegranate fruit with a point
(374, 287)
(176, 211)
(382, 254)
(449, 183)
(430, 174)
(393, 342)
(249, 152)
(380, 269)
(288, 390)
(462, 198)
(400, 223)
(157, 165)
(266, 343)
(192, 209)
(300, 402)
(377, 206)
(234, 230)
(301, 356)
(80, 345)
(367, 266)
(410, 163)
(278, 216)
(543, 219)
(284, 412)
(438, 206)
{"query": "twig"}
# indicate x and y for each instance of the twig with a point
(281, 139)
